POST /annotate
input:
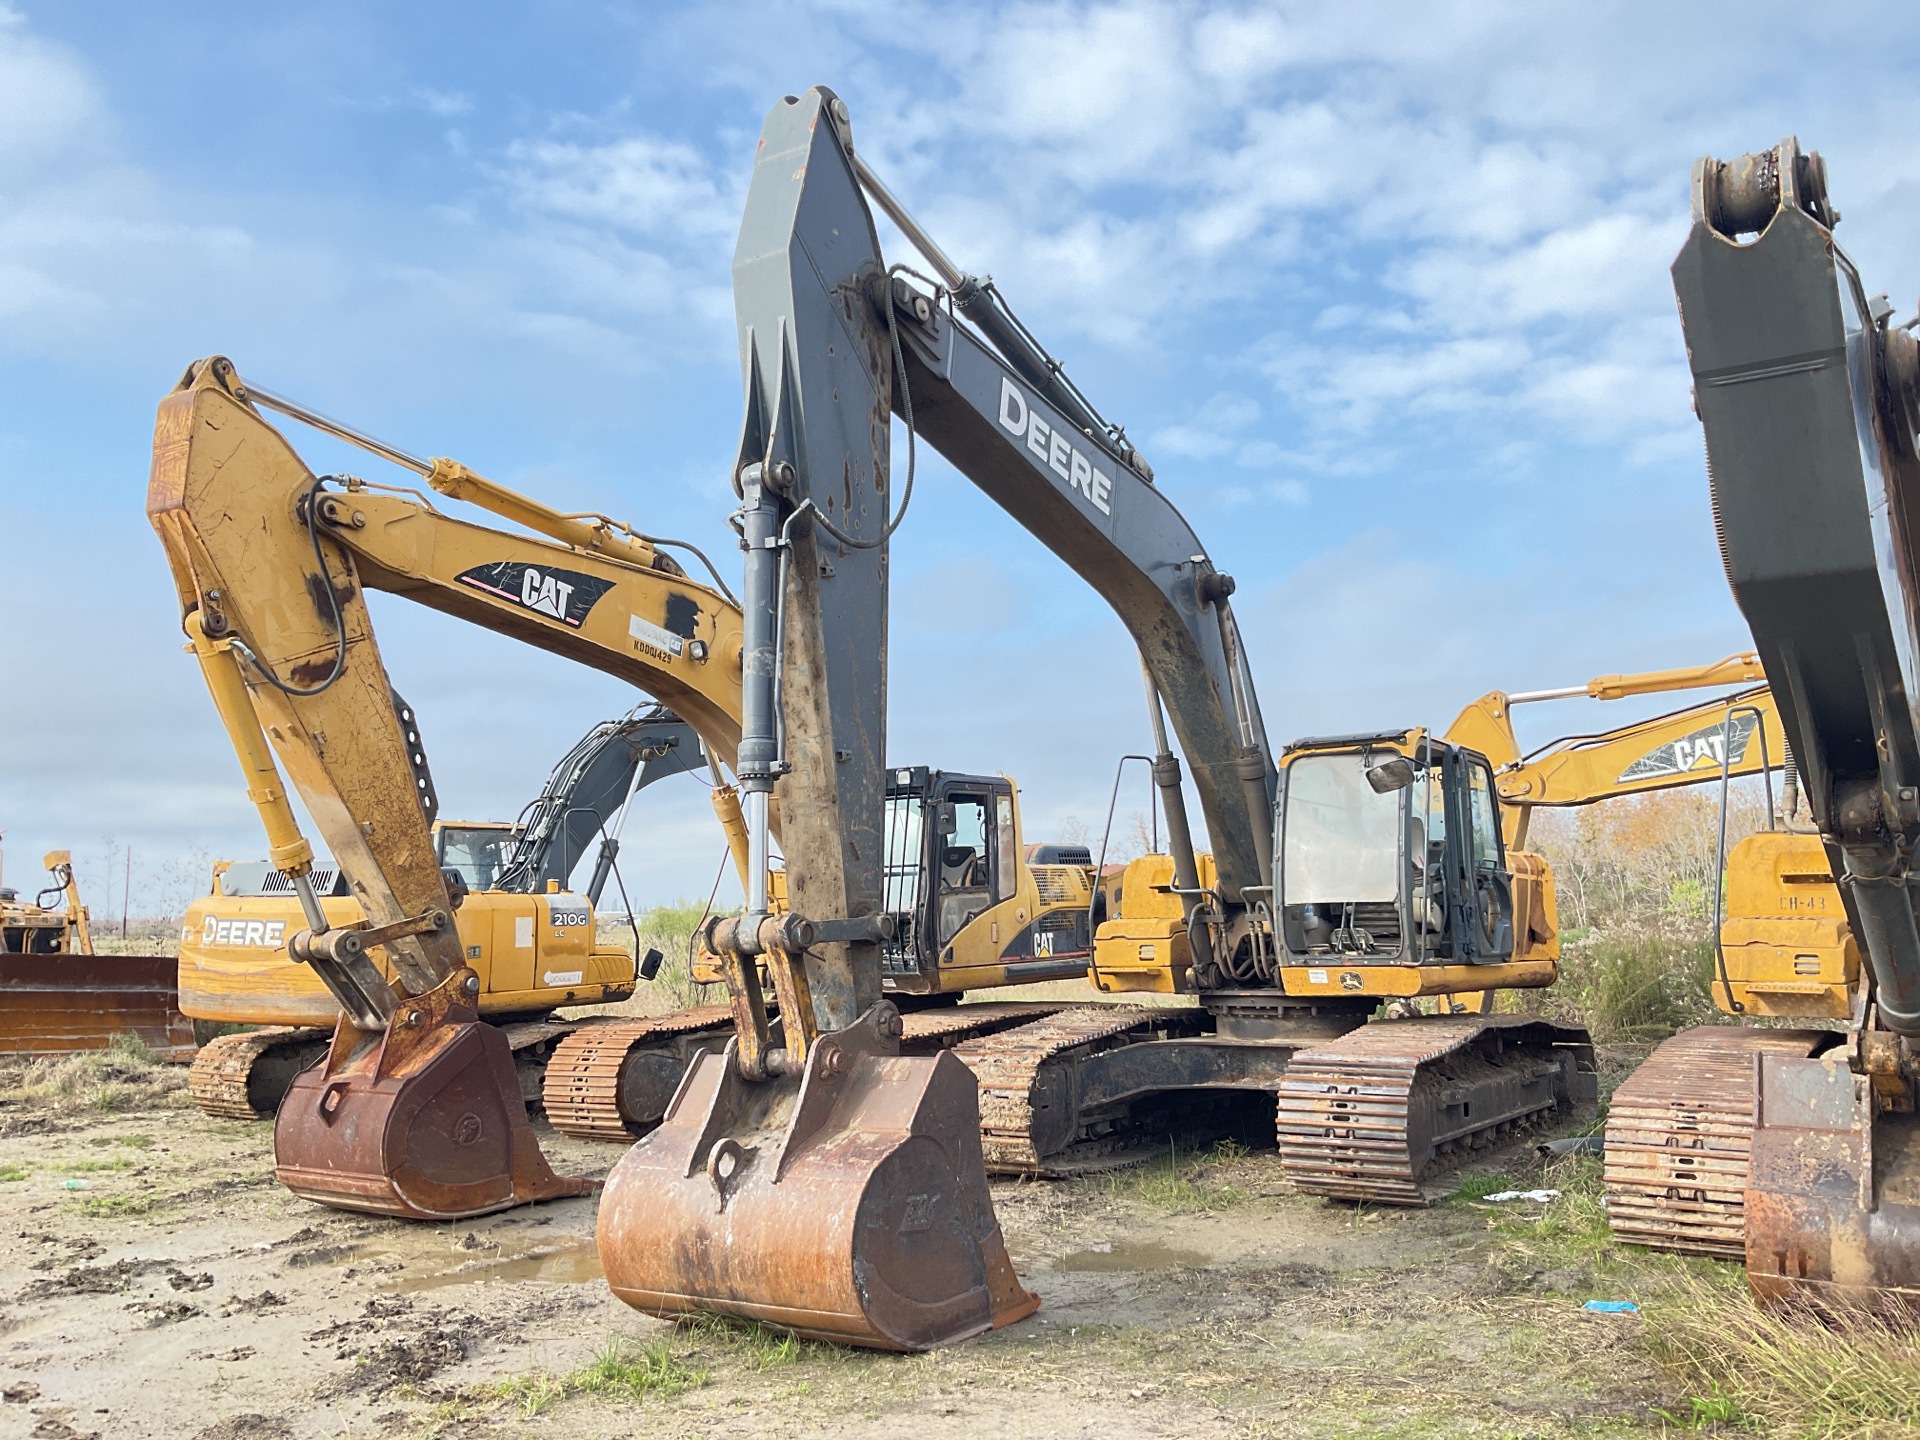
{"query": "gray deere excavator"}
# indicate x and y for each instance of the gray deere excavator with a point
(810, 1176)
(1809, 395)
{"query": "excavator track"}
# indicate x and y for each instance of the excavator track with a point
(590, 1068)
(1020, 1111)
(583, 1081)
(242, 1077)
(1373, 1114)
(1679, 1134)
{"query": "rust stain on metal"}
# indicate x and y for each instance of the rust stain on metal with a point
(1832, 1199)
(851, 1206)
(1679, 1136)
(423, 1120)
(52, 1004)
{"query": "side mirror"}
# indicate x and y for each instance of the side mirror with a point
(1390, 775)
(946, 823)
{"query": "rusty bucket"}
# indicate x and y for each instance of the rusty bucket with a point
(423, 1120)
(1833, 1190)
(851, 1206)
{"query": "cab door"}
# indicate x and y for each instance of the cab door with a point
(1484, 906)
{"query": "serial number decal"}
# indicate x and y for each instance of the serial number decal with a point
(557, 978)
(563, 595)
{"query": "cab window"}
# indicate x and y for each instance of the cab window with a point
(1342, 837)
(477, 855)
(1486, 818)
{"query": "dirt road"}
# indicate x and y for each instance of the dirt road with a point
(154, 1281)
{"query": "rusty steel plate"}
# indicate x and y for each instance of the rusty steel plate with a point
(1679, 1132)
(1833, 1190)
(54, 1004)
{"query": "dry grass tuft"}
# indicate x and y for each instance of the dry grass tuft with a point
(123, 1077)
(1851, 1375)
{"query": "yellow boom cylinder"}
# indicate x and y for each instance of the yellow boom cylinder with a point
(291, 852)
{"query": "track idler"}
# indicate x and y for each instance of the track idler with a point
(422, 1120)
(847, 1203)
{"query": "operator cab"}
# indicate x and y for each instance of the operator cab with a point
(1390, 853)
(957, 832)
(475, 850)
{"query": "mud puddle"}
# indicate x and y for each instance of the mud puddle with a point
(554, 1259)
(1111, 1256)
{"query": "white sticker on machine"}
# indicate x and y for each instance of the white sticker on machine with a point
(561, 977)
(1316, 977)
(523, 932)
(656, 636)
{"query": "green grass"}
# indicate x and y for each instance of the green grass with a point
(1478, 1187)
(1637, 985)
(129, 1046)
(529, 1394)
(1850, 1375)
(666, 928)
(9, 1173)
(115, 1078)
(1713, 1411)
(1569, 1228)
(130, 1142)
(92, 1167)
(623, 1368)
(1178, 1181)
(759, 1347)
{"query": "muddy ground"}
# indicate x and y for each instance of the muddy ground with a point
(154, 1281)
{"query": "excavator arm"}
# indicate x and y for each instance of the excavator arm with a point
(271, 564)
(1810, 402)
(1733, 735)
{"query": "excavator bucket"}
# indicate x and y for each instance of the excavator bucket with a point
(1833, 1190)
(53, 1004)
(423, 1120)
(851, 1207)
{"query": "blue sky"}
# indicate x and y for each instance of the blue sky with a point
(1380, 290)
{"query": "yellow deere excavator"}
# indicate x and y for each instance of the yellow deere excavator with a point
(275, 560)
(58, 994)
(1679, 1129)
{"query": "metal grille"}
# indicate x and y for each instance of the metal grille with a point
(1381, 920)
(1055, 884)
(902, 878)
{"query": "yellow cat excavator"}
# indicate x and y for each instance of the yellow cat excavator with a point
(415, 1109)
